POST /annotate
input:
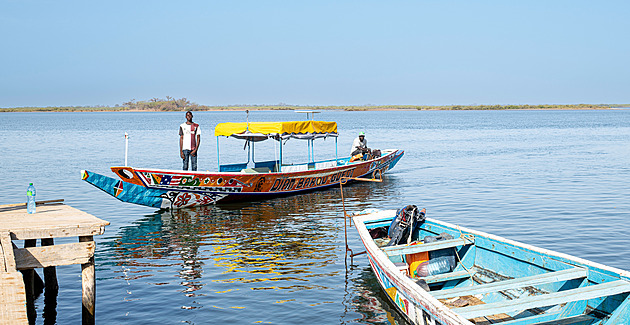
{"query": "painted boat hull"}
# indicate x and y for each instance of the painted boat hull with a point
(173, 189)
(514, 282)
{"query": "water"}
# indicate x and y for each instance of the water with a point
(554, 179)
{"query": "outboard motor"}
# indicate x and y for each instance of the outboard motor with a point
(402, 227)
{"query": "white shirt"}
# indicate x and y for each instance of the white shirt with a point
(358, 144)
(190, 132)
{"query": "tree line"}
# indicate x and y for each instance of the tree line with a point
(183, 104)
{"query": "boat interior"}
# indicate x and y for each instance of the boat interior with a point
(272, 166)
(499, 281)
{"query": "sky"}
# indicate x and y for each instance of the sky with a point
(325, 52)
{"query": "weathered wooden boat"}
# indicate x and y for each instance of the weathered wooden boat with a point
(252, 180)
(494, 280)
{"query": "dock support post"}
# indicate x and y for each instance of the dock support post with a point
(50, 273)
(88, 283)
(29, 275)
(51, 290)
(33, 285)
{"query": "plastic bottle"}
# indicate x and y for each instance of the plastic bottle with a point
(436, 266)
(30, 198)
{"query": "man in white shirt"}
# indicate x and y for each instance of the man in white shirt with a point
(359, 146)
(189, 140)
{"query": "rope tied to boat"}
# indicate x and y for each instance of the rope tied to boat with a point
(467, 238)
(342, 181)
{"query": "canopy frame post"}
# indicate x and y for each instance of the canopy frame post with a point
(308, 149)
(218, 159)
(312, 150)
(280, 161)
(249, 150)
(336, 152)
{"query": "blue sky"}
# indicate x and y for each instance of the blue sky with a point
(58, 53)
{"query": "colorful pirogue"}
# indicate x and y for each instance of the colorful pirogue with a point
(174, 189)
(441, 273)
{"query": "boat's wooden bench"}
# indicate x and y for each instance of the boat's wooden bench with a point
(554, 319)
(564, 275)
(583, 293)
(420, 248)
(447, 276)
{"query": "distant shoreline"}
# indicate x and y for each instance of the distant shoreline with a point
(316, 108)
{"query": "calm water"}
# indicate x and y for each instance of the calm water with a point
(554, 179)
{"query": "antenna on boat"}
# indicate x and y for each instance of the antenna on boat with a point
(307, 114)
(126, 147)
(247, 111)
(311, 153)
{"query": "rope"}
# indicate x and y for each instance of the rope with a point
(471, 238)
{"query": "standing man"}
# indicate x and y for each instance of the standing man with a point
(189, 140)
(359, 146)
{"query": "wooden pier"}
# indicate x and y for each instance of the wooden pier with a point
(19, 281)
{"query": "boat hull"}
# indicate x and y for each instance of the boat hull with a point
(170, 189)
(416, 305)
(495, 280)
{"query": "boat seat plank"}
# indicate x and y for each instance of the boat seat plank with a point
(551, 319)
(412, 249)
(561, 297)
(446, 277)
(550, 277)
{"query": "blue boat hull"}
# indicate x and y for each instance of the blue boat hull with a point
(495, 280)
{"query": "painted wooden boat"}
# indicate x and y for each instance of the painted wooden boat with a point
(174, 189)
(495, 280)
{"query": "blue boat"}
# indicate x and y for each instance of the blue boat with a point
(492, 280)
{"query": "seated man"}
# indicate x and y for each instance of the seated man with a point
(359, 147)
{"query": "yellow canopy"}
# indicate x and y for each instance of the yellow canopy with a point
(275, 128)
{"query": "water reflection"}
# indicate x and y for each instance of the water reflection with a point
(281, 247)
(370, 301)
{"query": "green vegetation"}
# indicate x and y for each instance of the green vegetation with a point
(183, 104)
(65, 109)
(168, 104)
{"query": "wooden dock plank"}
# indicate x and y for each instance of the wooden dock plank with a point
(50, 221)
(55, 255)
(12, 299)
(578, 294)
(7, 252)
(563, 275)
(407, 249)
